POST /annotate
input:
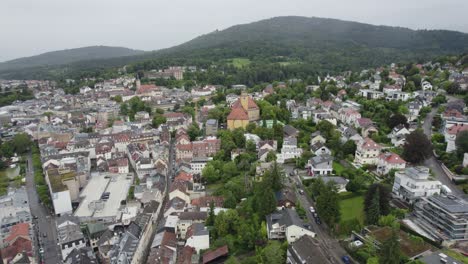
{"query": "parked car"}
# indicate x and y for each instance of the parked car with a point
(301, 191)
(312, 210)
(346, 259)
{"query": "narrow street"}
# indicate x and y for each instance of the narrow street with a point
(432, 163)
(45, 233)
(330, 246)
(169, 177)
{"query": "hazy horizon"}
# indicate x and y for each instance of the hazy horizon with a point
(35, 27)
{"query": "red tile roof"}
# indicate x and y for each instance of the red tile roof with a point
(214, 254)
(238, 114)
(218, 201)
(392, 158)
(370, 144)
(21, 229)
(183, 176)
(454, 130)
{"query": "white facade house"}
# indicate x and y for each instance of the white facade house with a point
(414, 183)
(426, 85)
(389, 161)
(286, 224)
(414, 108)
(451, 135)
(320, 165)
(371, 94)
(367, 152)
(198, 164)
(198, 237)
(289, 150)
(398, 135)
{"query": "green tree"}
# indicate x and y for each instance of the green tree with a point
(377, 194)
(387, 220)
(193, 131)
(211, 215)
(328, 206)
(373, 211)
(461, 142)
(390, 249)
(264, 200)
(397, 119)
(210, 174)
(271, 156)
(417, 147)
(349, 147)
(273, 253)
(21, 143)
(158, 120)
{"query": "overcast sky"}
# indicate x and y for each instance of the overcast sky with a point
(30, 27)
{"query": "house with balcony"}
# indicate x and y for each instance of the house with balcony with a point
(286, 224)
(415, 183)
(389, 161)
(367, 152)
(443, 217)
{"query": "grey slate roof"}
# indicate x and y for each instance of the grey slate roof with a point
(305, 250)
(285, 217)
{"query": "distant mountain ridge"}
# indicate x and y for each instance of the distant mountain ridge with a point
(67, 56)
(323, 43)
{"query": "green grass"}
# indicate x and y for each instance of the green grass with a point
(288, 63)
(338, 168)
(352, 208)
(456, 255)
(211, 188)
(240, 62)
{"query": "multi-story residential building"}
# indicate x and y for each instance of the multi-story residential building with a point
(289, 150)
(414, 183)
(451, 135)
(197, 164)
(367, 152)
(14, 209)
(398, 135)
(186, 220)
(198, 237)
(70, 236)
(444, 217)
(388, 161)
(286, 224)
(320, 165)
(205, 148)
(211, 127)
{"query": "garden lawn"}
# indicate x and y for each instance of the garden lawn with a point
(352, 208)
(337, 167)
(240, 62)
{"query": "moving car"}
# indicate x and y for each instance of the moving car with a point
(312, 210)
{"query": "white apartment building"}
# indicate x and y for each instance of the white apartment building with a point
(289, 150)
(414, 183)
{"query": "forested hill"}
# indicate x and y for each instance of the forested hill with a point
(320, 43)
(68, 56)
(324, 41)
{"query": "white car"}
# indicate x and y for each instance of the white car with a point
(312, 210)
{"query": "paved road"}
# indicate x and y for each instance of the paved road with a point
(329, 245)
(44, 224)
(169, 176)
(432, 162)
